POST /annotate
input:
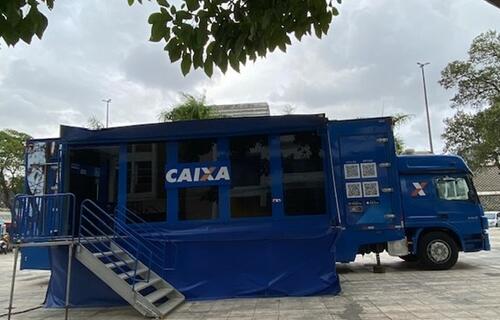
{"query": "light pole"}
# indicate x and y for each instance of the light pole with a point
(108, 101)
(422, 65)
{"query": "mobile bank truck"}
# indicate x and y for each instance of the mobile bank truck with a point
(262, 206)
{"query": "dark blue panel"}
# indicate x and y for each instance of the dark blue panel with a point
(179, 130)
(425, 164)
(238, 260)
(369, 218)
(86, 289)
(36, 258)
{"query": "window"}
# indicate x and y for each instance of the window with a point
(146, 195)
(200, 150)
(250, 180)
(452, 188)
(303, 176)
(199, 203)
(94, 175)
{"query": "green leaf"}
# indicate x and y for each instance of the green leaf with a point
(163, 3)
(198, 58)
(157, 32)
(186, 63)
(130, 2)
(174, 49)
(208, 67)
(282, 46)
(155, 18)
(238, 45)
(183, 15)
(50, 4)
(234, 62)
(193, 5)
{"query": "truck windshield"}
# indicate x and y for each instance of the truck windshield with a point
(452, 188)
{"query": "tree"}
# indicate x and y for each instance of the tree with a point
(474, 134)
(12, 144)
(201, 33)
(288, 109)
(398, 120)
(191, 108)
(94, 123)
(477, 79)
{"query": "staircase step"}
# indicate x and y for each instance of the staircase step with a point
(158, 294)
(130, 274)
(170, 305)
(107, 253)
(120, 263)
(143, 285)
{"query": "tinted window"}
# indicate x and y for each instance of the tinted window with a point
(452, 189)
(250, 180)
(200, 150)
(303, 176)
(146, 194)
(198, 203)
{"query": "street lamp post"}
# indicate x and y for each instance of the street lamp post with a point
(108, 101)
(422, 65)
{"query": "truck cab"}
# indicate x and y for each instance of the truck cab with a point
(441, 210)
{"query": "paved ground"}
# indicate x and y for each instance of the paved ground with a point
(471, 290)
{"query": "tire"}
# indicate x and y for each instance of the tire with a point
(410, 258)
(437, 251)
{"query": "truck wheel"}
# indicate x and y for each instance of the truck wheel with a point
(410, 258)
(437, 251)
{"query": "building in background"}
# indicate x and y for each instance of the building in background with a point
(487, 182)
(259, 109)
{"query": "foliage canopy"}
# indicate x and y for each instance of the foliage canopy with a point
(201, 33)
(474, 135)
(191, 108)
(12, 144)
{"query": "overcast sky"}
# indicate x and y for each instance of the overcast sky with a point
(365, 67)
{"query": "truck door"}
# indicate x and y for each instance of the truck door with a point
(366, 173)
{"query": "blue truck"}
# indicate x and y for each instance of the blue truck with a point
(299, 170)
(426, 208)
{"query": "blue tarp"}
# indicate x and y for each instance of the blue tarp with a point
(224, 262)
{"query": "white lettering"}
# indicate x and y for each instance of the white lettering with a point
(196, 176)
(223, 174)
(170, 176)
(185, 176)
(200, 174)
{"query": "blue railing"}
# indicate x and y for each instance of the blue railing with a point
(39, 218)
(139, 227)
(99, 232)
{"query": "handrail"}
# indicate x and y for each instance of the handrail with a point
(111, 233)
(138, 223)
(43, 217)
(159, 259)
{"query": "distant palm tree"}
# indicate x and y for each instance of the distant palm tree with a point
(398, 120)
(191, 108)
(94, 124)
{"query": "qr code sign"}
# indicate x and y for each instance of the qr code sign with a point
(351, 171)
(369, 170)
(353, 190)
(370, 189)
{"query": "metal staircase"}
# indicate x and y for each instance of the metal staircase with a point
(124, 261)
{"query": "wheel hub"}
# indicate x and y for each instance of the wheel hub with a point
(439, 251)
